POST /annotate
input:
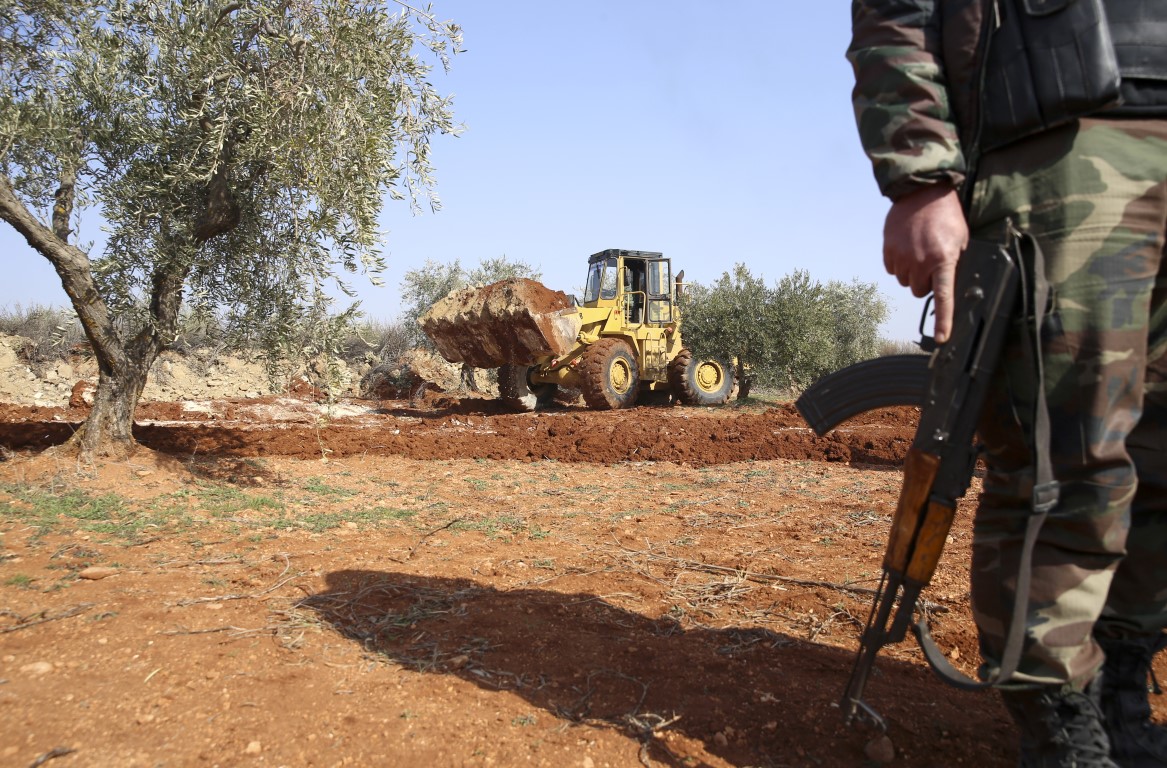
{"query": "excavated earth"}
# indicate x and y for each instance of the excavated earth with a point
(512, 321)
(277, 581)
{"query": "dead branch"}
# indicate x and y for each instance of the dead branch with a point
(251, 595)
(65, 614)
(47, 756)
(752, 575)
(426, 535)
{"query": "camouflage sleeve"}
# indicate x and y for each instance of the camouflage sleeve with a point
(900, 98)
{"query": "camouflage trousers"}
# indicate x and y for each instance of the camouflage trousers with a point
(1094, 194)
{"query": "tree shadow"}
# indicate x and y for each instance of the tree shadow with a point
(750, 696)
(195, 438)
(199, 439)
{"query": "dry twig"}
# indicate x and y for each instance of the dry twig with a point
(65, 614)
(47, 756)
(752, 575)
(426, 535)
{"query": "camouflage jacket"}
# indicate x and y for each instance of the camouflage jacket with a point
(916, 67)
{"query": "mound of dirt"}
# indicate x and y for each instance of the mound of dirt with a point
(418, 372)
(511, 321)
(441, 427)
(173, 377)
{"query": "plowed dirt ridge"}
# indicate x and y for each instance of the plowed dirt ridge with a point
(288, 583)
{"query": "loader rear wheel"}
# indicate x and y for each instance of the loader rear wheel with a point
(516, 390)
(610, 377)
(706, 381)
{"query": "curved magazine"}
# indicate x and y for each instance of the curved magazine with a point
(879, 383)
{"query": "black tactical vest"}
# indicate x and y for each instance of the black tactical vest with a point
(1049, 62)
(1139, 31)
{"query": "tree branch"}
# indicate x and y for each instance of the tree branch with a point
(72, 266)
(63, 204)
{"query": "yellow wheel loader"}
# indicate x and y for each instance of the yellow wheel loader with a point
(621, 345)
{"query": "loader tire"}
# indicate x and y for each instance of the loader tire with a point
(708, 381)
(515, 389)
(609, 374)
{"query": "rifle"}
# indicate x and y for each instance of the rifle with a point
(949, 386)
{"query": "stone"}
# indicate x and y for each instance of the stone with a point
(82, 394)
(37, 668)
(96, 572)
(880, 750)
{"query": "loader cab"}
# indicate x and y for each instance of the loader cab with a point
(639, 283)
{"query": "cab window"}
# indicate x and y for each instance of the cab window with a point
(658, 278)
(611, 280)
(660, 307)
(592, 289)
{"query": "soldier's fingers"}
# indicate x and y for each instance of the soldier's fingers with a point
(943, 289)
(921, 281)
(893, 264)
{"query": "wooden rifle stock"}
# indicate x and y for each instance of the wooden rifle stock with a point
(919, 531)
(940, 463)
(919, 474)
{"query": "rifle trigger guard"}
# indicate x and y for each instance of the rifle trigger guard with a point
(927, 343)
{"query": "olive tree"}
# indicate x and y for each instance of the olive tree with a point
(729, 318)
(786, 335)
(857, 309)
(803, 329)
(238, 153)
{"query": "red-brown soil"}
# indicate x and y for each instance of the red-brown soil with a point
(451, 585)
(448, 428)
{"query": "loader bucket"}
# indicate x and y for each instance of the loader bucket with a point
(511, 321)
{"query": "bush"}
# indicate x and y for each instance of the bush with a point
(888, 347)
(51, 334)
(375, 342)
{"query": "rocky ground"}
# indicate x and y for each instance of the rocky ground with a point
(304, 581)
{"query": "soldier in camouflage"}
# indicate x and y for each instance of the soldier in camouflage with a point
(974, 117)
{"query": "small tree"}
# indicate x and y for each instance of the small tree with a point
(238, 152)
(501, 268)
(858, 309)
(786, 336)
(729, 319)
(803, 329)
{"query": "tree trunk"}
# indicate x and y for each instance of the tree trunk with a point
(122, 366)
(108, 431)
(745, 381)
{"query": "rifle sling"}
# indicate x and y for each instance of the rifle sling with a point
(1045, 491)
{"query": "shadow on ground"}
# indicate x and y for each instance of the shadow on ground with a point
(750, 696)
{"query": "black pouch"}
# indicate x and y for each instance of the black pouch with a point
(1049, 62)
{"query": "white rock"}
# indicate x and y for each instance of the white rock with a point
(38, 668)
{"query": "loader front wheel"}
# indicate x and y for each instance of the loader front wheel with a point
(609, 374)
(516, 390)
(707, 381)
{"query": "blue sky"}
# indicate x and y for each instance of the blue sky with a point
(716, 133)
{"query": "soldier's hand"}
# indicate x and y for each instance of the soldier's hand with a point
(923, 237)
